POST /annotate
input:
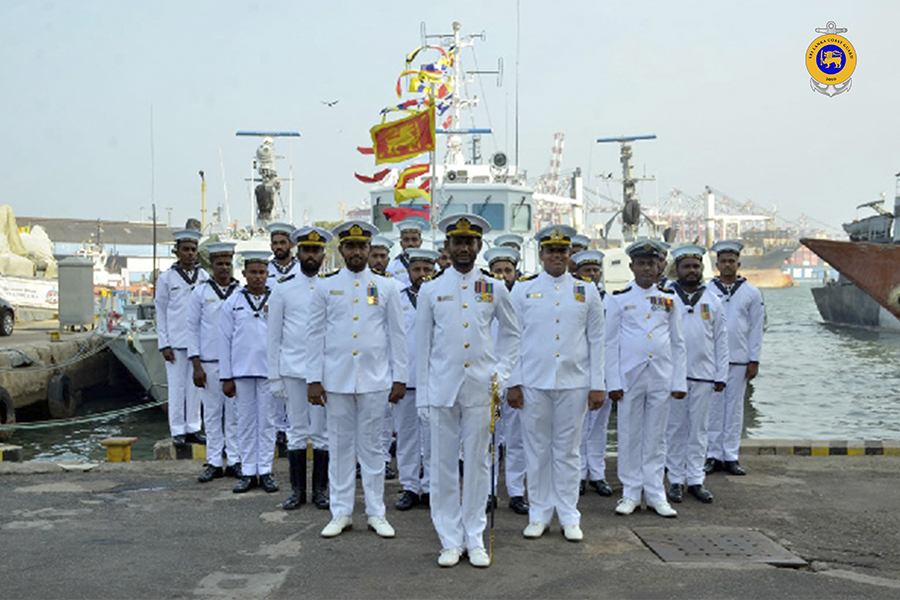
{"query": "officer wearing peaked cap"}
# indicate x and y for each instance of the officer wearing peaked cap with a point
(173, 289)
(558, 377)
(286, 350)
(457, 359)
(410, 237)
(645, 367)
(355, 321)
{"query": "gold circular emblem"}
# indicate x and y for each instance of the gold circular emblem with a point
(830, 59)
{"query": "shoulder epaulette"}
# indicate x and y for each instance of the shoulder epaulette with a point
(286, 278)
(335, 272)
(622, 291)
(487, 273)
(665, 290)
(528, 277)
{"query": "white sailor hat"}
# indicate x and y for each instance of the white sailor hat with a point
(381, 241)
(415, 254)
(410, 225)
(187, 235)
(285, 228)
(502, 253)
(220, 248)
(255, 256)
(588, 257)
(464, 224)
(509, 238)
(439, 244)
(581, 240)
(646, 248)
(556, 235)
(355, 231)
(688, 251)
(310, 236)
(733, 246)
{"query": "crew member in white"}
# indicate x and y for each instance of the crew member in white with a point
(173, 288)
(410, 237)
(282, 265)
(706, 340)
(379, 257)
(244, 371)
(457, 360)
(286, 349)
(219, 416)
(355, 321)
(645, 368)
(745, 313)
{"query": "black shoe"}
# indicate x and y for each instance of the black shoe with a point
(602, 487)
(245, 484)
(675, 493)
(581, 487)
(389, 472)
(700, 493)
(491, 503)
(179, 440)
(294, 501)
(407, 500)
(425, 500)
(195, 437)
(297, 465)
(519, 505)
(211, 473)
(320, 479)
(267, 482)
(733, 467)
(712, 465)
(233, 471)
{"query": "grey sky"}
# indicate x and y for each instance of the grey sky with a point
(723, 85)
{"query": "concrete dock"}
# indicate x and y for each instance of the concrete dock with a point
(149, 530)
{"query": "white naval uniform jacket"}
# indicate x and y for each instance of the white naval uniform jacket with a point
(204, 307)
(286, 341)
(744, 312)
(409, 300)
(705, 334)
(561, 322)
(242, 340)
(277, 273)
(397, 269)
(453, 335)
(357, 337)
(173, 289)
(644, 338)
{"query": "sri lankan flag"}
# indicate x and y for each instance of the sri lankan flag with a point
(405, 138)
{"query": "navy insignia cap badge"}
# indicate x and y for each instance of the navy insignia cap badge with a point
(830, 60)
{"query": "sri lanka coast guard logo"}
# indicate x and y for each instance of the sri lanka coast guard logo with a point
(830, 60)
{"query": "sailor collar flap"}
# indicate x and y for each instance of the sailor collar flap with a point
(258, 308)
(222, 294)
(188, 279)
(729, 293)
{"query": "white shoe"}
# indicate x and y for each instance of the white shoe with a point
(573, 533)
(663, 509)
(626, 506)
(534, 530)
(478, 557)
(449, 557)
(337, 526)
(380, 526)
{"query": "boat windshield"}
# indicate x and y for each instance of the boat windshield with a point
(520, 217)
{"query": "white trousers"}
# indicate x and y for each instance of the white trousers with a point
(551, 428)
(280, 416)
(308, 421)
(686, 434)
(184, 396)
(413, 434)
(387, 432)
(354, 433)
(593, 442)
(642, 416)
(256, 431)
(514, 459)
(219, 420)
(460, 524)
(726, 416)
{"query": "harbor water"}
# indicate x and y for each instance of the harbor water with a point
(817, 381)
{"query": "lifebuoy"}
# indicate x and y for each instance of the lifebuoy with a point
(7, 414)
(60, 399)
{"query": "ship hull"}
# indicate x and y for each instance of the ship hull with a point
(842, 303)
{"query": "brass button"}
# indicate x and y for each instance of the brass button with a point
(466, 365)
(649, 335)
(356, 317)
(355, 353)
(648, 316)
(557, 288)
(465, 305)
(557, 336)
(466, 345)
(465, 324)
(557, 319)
(356, 335)
(355, 300)
(557, 302)
(557, 355)
(465, 286)
(651, 356)
(355, 284)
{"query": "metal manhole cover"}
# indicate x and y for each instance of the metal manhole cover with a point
(716, 545)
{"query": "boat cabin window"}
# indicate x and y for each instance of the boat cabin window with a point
(492, 213)
(520, 217)
(378, 219)
(453, 208)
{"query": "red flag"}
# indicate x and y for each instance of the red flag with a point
(405, 138)
(410, 172)
(404, 212)
(373, 178)
(364, 150)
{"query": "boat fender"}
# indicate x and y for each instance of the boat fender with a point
(7, 414)
(60, 398)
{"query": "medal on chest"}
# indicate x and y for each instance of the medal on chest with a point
(484, 291)
(579, 292)
(372, 294)
(659, 303)
(705, 313)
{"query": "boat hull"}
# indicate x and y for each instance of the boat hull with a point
(139, 354)
(842, 303)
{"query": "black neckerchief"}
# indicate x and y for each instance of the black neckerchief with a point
(188, 280)
(690, 300)
(287, 269)
(413, 296)
(403, 260)
(262, 304)
(734, 287)
(218, 290)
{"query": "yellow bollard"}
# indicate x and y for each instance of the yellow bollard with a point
(118, 449)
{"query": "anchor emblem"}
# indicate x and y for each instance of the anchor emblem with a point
(830, 60)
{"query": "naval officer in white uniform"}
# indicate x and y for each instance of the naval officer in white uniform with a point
(173, 289)
(355, 322)
(244, 371)
(456, 363)
(558, 377)
(219, 416)
(286, 350)
(645, 369)
(410, 237)
(706, 340)
(745, 314)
